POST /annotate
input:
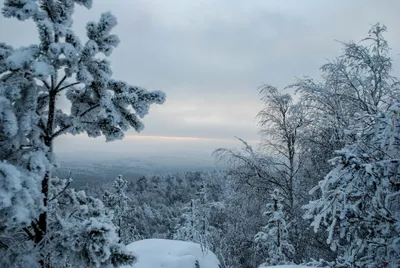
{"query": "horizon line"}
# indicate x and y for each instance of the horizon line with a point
(168, 138)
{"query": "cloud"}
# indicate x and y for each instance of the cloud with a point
(210, 56)
(167, 138)
(139, 145)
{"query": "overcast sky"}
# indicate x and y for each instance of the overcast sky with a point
(209, 56)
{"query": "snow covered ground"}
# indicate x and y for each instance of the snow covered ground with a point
(162, 253)
(285, 266)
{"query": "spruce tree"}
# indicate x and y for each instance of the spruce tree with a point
(117, 201)
(194, 224)
(273, 240)
(359, 206)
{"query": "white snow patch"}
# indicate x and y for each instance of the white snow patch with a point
(42, 69)
(21, 57)
(163, 253)
(284, 266)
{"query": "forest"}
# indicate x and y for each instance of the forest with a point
(321, 189)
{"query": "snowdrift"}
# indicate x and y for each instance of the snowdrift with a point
(163, 253)
(284, 266)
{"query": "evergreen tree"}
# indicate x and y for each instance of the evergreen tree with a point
(186, 230)
(194, 226)
(117, 201)
(81, 231)
(360, 198)
(273, 240)
(204, 215)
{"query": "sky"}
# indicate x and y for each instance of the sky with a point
(210, 57)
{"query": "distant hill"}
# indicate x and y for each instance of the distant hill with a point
(93, 168)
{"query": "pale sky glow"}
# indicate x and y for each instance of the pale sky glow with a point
(146, 146)
(176, 138)
(211, 56)
(168, 138)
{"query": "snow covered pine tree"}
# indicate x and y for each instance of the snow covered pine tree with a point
(117, 201)
(273, 240)
(194, 225)
(204, 215)
(31, 80)
(80, 231)
(360, 202)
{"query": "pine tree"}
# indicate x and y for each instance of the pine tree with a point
(360, 199)
(81, 230)
(186, 230)
(194, 224)
(204, 214)
(117, 201)
(273, 240)
(31, 81)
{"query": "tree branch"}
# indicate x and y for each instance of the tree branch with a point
(90, 109)
(63, 190)
(60, 131)
(67, 86)
(3, 245)
(46, 84)
(60, 83)
(31, 236)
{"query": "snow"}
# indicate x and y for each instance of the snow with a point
(21, 57)
(163, 253)
(284, 266)
(20, 197)
(21, 9)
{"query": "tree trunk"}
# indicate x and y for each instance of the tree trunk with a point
(40, 226)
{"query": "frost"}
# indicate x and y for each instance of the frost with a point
(84, 76)
(21, 9)
(85, 3)
(194, 223)
(84, 230)
(20, 195)
(69, 51)
(8, 120)
(357, 195)
(100, 33)
(21, 58)
(273, 240)
(117, 201)
(42, 70)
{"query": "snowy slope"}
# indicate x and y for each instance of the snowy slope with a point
(162, 253)
(285, 266)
